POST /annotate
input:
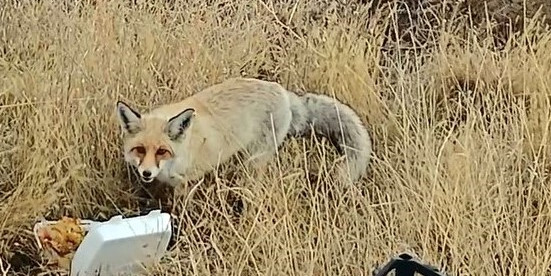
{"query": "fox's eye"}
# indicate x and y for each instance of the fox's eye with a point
(140, 150)
(161, 151)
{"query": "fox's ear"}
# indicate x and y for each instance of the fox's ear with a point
(129, 119)
(179, 123)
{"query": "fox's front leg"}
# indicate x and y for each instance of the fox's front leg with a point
(179, 183)
(260, 160)
(177, 180)
(182, 187)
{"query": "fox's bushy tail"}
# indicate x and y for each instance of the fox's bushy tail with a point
(338, 123)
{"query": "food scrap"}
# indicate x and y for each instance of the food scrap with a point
(61, 239)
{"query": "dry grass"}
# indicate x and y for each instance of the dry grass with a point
(460, 127)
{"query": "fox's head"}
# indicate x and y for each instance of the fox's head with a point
(149, 140)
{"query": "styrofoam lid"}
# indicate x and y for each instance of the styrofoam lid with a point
(123, 245)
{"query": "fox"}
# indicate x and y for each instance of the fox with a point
(179, 142)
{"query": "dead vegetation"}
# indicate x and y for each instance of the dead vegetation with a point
(460, 117)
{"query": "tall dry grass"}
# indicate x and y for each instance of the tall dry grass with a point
(460, 128)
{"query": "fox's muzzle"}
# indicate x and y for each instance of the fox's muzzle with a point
(146, 176)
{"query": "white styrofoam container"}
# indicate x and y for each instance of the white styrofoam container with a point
(122, 246)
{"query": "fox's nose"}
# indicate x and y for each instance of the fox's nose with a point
(146, 173)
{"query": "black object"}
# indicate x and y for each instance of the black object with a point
(406, 265)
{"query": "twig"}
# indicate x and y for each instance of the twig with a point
(6, 269)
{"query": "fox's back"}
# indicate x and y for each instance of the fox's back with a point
(233, 97)
(241, 96)
(236, 110)
(242, 106)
